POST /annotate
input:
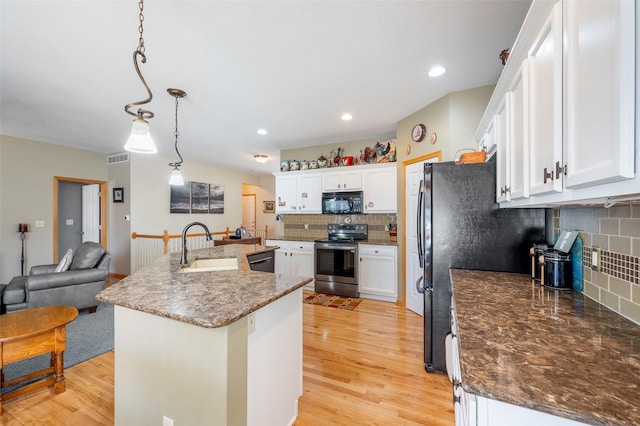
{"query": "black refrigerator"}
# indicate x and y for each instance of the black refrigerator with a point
(460, 225)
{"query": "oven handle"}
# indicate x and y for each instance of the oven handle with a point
(336, 246)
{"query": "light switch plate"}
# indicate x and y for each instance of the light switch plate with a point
(39, 223)
(596, 259)
(69, 222)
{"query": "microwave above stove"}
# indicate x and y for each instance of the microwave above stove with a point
(342, 202)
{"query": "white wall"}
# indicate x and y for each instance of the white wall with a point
(150, 195)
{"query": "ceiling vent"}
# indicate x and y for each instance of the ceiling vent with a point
(123, 157)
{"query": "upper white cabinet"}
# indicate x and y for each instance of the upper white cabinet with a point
(503, 167)
(518, 134)
(599, 73)
(347, 180)
(569, 92)
(380, 189)
(299, 193)
(545, 107)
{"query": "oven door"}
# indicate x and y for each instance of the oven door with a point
(336, 262)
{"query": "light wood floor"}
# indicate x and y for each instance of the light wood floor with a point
(361, 367)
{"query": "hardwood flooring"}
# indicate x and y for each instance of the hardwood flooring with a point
(361, 367)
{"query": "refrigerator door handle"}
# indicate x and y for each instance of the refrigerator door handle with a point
(419, 226)
(420, 287)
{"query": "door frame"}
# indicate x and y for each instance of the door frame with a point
(435, 154)
(103, 210)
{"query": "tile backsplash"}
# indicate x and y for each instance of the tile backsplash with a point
(616, 231)
(314, 226)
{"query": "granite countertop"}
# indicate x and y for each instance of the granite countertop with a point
(206, 299)
(310, 240)
(550, 350)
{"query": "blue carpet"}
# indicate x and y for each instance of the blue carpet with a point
(88, 336)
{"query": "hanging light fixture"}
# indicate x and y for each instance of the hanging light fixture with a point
(260, 158)
(140, 137)
(176, 175)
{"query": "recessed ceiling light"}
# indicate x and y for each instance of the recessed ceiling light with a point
(437, 71)
(346, 116)
(262, 132)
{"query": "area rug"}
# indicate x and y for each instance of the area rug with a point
(88, 336)
(333, 301)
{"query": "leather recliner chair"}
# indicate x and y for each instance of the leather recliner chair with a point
(77, 286)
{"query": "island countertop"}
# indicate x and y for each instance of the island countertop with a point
(555, 351)
(206, 299)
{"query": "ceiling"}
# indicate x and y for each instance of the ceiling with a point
(290, 67)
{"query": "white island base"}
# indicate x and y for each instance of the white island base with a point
(215, 376)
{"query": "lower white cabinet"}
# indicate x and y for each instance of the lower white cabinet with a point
(294, 258)
(377, 272)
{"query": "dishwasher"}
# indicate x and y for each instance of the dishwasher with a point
(261, 261)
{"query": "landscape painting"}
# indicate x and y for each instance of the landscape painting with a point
(216, 199)
(199, 197)
(180, 198)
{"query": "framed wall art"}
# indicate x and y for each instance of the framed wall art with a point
(118, 195)
(269, 207)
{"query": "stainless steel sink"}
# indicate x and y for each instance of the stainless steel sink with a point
(206, 265)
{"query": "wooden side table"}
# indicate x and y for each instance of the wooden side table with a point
(32, 332)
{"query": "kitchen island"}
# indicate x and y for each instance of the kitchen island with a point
(532, 355)
(207, 347)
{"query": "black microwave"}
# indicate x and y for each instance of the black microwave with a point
(342, 202)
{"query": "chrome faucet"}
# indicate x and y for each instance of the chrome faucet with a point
(183, 257)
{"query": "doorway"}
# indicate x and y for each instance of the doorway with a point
(79, 213)
(413, 175)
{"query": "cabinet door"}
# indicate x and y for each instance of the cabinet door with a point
(286, 198)
(352, 180)
(302, 260)
(599, 82)
(309, 193)
(377, 270)
(380, 190)
(502, 152)
(518, 116)
(545, 103)
(331, 181)
(283, 265)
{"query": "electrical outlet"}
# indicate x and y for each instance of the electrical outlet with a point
(386, 227)
(252, 322)
(166, 421)
(69, 222)
(595, 258)
(306, 226)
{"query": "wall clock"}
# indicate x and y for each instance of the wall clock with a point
(418, 132)
(433, 138)
(407, 149)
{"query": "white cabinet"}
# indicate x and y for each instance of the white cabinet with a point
(599, 92)
(518, 134)
(298, 193)
(377, 272)
(503, 167)
(570, 92)
(347, 179)
(294, 258)
(545, 100)
(380, 189)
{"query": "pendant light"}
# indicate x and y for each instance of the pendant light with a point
(176, 175)
(140, 138)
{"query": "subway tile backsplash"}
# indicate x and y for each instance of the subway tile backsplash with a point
(616, 231)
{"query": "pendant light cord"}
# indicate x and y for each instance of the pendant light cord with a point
(139, 52)
(177, 164)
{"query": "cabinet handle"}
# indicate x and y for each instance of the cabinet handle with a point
(560, 169)
(360, 259)
(546, 175)
(503, 190)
